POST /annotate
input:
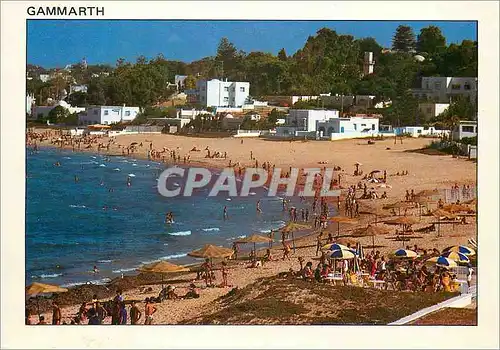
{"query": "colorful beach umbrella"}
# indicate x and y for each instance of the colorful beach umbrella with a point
(443, 262)
(335, 246)
(342, 254)
(461, 249)
(405, 253)
(456, 256)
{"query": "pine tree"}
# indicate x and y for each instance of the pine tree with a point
(282, 55)
(404, 39)
(431, 40)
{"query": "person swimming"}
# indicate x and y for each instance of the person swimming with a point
(259, 210)
(225, 213)
(129, 181)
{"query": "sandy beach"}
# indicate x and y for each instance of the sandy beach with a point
(424, 172)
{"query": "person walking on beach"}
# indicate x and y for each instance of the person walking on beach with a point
(149, 310)
(123, 314)
(100, 312)
(56, 314)
(135, 314)
(207, 272)
(286, 251)
(224, 274)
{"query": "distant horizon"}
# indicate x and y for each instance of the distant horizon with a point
(57, 43)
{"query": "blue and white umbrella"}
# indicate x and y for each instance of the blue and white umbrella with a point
(334, 246)
(405, 253)
(456, 256)
(442, 261)
(360, 251)
(461, 249)
(342, 254)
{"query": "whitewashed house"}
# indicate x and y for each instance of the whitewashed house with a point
(218, 93)
(43, 111)
(345, 128)
(431, 110)
(417, 131)
(444, 89)
(465, 128)
(108, 115)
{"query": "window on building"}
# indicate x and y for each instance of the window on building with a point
(455, 86)
(95, 111)
(226, 88)
(467, 128)
(475, 129)
(106, 112)
(373, 126)
(234, 89)
(226, 99)
(127, 113)
(437, 86)
(355, 127)
(242, 89)
(419, 131)
(202, 88)
(467, 86)
(429, 110)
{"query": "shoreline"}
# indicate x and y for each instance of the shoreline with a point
(426, 172)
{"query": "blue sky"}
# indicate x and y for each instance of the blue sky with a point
(55, 43)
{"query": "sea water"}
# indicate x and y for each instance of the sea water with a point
(72, 226)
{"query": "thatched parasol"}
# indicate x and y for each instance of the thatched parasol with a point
(291, 227)
(162, 267)
(403, 220)
(373, 211)
(255, 238)
(211, 251)
(439, 213)
(346, 241)
(428, 193)
(371, 230)
(343, 220)
(472, 201)
(399, 205)
(455, 208)
(36, 289)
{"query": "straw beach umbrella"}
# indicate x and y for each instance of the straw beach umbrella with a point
(373, 231)
(455, 208)
(211, 251)
(404, 221)
(343, 220)
(255, 238)
(37, 289)
(162, 267)
(427, 193)
(373, 211)
(399, 206)
(291, 227)
(439, 213)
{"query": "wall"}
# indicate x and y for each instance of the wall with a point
(247, 133)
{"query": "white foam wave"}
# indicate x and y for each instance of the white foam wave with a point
(66, 157)
(77, 206)
(176, 184)
(102, 165)
(104, 261)
(124, 270)
(228, 199)
(93, 157)
(134, 164)
(173, 256)
(180, 233)
(252, 193)
(265, 231)
(116, 169)
(211, 229)
(50, 275)
(131, 175)
(97, 282)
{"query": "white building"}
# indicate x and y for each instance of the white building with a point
(344, 128)
(108, 114)
(30, 102)
(465, 128)
(368, 63)
(190, 113)
(431, 110)
(44, 77)
(444, 89)
(77, 88)
(416, 131)
(306, 119)
(43, 111)
(218, 93)
(179, 81)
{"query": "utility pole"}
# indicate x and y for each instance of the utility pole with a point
(341, 105)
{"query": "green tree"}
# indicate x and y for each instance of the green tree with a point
(78, 98)
(58, 115)
(190, 82)
(282, 55)
(431, 40)
(404, 39)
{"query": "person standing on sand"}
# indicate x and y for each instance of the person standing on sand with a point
(56, 314)
(286, 251)
(101, 312)
(135, 314)
(149, 310)
(224, 274)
